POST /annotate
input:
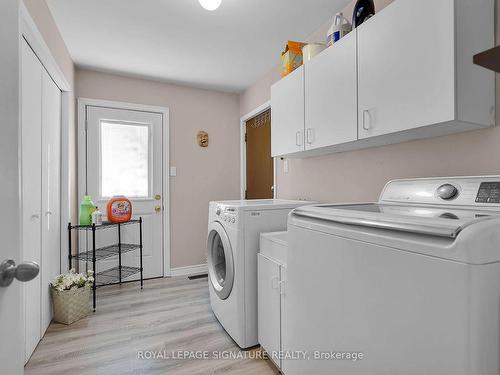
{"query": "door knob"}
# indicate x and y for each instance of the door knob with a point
(157, 208)
(157, 197)
(24, 272)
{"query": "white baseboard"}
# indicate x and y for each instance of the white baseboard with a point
(189, 270)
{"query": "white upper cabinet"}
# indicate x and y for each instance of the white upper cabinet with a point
(406, 67)
(413, 58)
(407, 73)
(331, 95)
(287, 123)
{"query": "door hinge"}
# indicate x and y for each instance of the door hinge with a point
(246, 136)
(246, 194)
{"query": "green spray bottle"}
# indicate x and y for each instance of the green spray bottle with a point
(86, 209)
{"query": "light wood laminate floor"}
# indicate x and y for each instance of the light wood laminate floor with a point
(168, 315)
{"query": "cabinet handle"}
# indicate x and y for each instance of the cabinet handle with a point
(275, 282)
(310, 136)
(366, 126)
(298, 138)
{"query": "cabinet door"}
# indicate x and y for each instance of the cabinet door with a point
(287, 112)
(406, 67)
(51, 171)
(269, 306)
(331, 95)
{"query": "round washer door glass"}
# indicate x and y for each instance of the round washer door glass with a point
(220, 261)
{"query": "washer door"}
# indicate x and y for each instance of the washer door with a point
(220, 260)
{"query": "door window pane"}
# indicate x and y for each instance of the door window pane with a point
(125, 152)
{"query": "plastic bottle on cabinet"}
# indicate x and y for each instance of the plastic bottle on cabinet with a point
(340, 28)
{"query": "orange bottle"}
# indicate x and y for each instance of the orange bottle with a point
(119, 209)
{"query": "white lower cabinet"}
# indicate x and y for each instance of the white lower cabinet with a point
(271, 286)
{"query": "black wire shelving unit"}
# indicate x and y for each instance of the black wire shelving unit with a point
(114, 275)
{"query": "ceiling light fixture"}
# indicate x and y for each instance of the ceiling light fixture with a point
(210, 4)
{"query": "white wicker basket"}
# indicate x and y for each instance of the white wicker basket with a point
(71, 305)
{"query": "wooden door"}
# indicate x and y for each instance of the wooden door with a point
(406, 60)
(287, 102)
(260, 170)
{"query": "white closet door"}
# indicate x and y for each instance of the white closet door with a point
(51, 160)
(31, 133)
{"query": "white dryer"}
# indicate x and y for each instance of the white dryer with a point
(233, 238)
(411, 282)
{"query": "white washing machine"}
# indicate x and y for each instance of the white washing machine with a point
(233, 238)
(411, 282)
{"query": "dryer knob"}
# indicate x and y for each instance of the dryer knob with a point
(447, 192)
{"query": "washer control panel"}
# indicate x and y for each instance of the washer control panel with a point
(489, 192)
(226, 214)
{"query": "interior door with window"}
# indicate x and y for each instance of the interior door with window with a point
(125, 157)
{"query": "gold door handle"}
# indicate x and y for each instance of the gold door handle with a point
(157, 208)
(157, 197)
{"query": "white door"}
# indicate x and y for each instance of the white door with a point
(287, 112)
(125, 157)
(404, 59)
(40, 189)
(51, 213)
(11, 317)
(31, 135)
(331, 95)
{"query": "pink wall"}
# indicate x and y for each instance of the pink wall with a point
(203, 174)
(359, 176)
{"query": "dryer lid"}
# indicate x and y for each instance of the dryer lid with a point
(434, 221)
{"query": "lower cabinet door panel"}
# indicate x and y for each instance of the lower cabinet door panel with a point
(269, 307)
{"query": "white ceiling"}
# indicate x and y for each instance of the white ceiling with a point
(178, 41)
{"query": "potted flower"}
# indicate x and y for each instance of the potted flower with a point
(70, 296)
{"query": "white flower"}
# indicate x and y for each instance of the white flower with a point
(72, 280)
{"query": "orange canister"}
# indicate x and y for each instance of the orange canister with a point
(119, 209)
